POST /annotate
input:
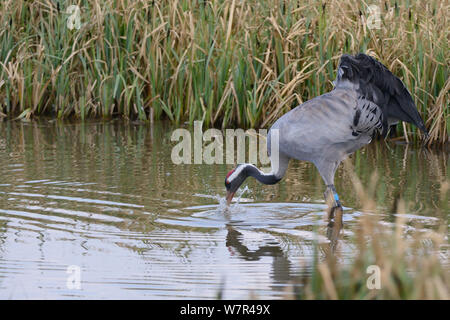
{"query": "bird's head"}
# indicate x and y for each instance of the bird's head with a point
(233, 181)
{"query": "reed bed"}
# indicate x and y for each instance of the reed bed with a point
(229, 63)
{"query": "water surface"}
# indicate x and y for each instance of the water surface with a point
(107, 198)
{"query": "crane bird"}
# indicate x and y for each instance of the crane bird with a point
(366, 98)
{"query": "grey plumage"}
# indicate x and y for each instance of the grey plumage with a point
(367, 98)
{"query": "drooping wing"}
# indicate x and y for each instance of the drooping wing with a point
(379, 85)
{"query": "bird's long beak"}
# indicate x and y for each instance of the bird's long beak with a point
(229, 197)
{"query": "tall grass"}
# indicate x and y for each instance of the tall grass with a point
(230, 63)
(412, 261)
(410, 266)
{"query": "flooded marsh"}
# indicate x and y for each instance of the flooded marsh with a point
(106, 198)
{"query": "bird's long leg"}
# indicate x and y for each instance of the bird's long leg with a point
(331, 196)
(332, 199)
(327, 170)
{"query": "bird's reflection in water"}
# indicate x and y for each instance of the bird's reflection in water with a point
(281, 265)
(334, 228)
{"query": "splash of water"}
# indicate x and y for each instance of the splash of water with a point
(241, 193)
(223, 207)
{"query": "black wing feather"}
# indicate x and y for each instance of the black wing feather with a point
(379, 85)
(398, 103)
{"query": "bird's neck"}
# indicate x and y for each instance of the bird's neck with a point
(266, 178)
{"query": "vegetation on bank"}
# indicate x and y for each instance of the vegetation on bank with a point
(230, 62)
